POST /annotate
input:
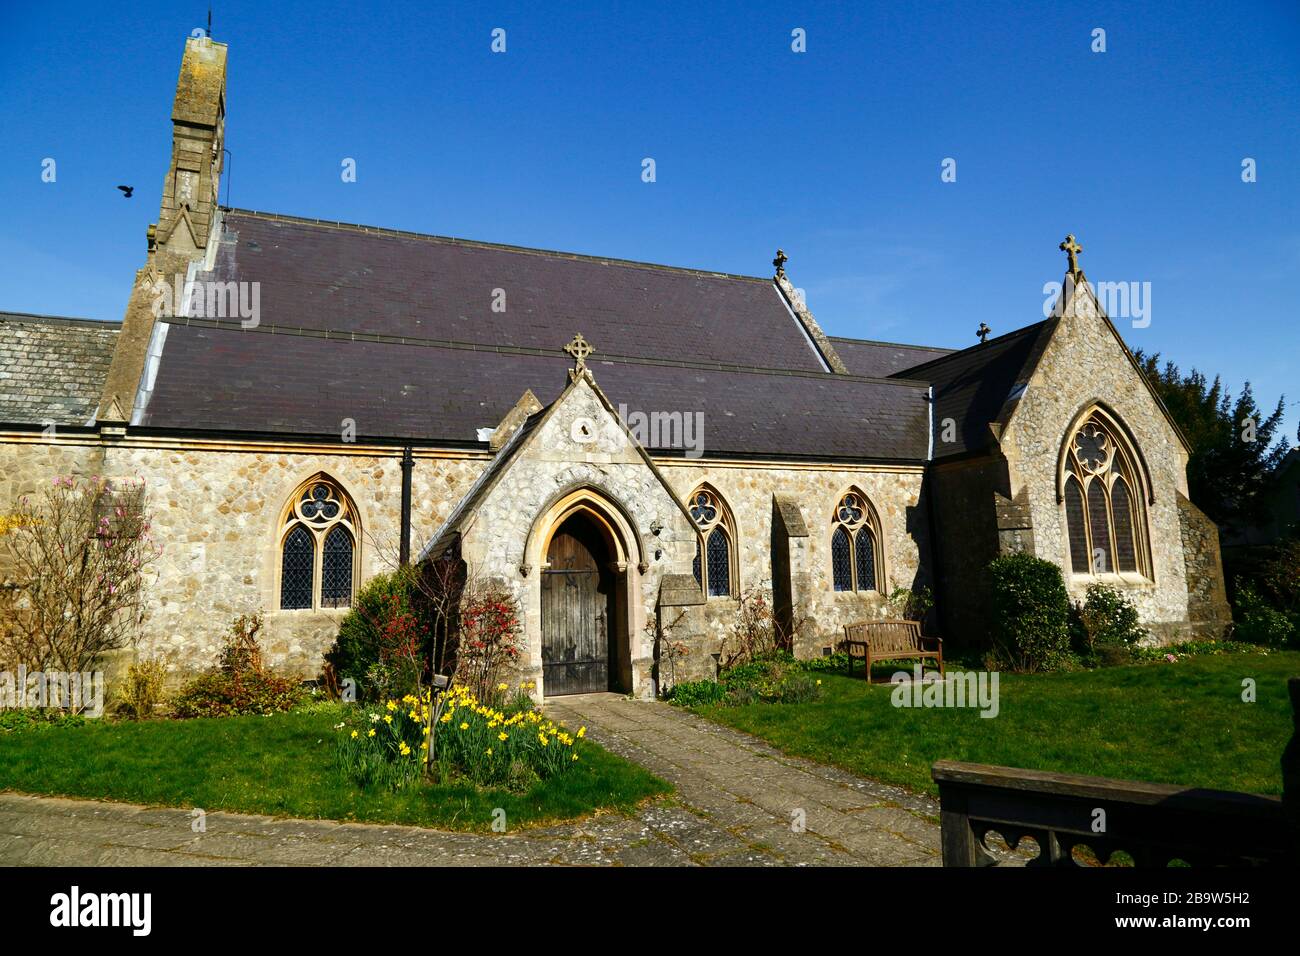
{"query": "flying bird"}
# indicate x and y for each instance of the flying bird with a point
(127, 190)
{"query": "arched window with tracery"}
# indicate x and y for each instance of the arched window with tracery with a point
(1102, 492)
(715, 543)
(855, 545)
(318, 547)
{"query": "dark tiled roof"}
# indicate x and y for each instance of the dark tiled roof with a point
(882, 359)
(973, 386)
(52, 369)
(254, 380)
(396, 331)
(359, 279)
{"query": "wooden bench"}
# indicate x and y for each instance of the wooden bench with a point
(890, 640)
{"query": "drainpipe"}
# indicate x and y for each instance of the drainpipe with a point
(408, 463)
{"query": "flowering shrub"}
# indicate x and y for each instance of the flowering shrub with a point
(386, 747)
(489, 641)
(79, 555)
(373, 648)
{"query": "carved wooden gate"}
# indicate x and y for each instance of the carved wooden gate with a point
(575, 612)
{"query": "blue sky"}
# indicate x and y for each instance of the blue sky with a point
(834, 154)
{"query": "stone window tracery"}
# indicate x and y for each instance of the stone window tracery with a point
(1102, 492)
(318, 547)
(715, 551)
(855, 543)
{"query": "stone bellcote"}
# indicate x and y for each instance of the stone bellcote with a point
(193, 182)
(186, 216)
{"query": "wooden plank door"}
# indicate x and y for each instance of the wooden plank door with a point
(575, 625)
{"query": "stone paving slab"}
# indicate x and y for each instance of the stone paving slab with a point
(739, 802)
(777, 809)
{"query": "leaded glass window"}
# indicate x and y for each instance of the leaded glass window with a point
(336, 569)
(1104, 513)
(714, 544)
(318, 548)
(841, 564)
(854, 564)
(298, 563)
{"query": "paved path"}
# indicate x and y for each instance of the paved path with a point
(739, 802)
(750, 798)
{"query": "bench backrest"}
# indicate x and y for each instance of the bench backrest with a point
(886, 635)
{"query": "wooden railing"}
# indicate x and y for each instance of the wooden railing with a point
(1154, 824)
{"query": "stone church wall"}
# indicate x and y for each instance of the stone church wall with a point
(1083, 364)
(1207, 601)
(215, 514)
(820, 611)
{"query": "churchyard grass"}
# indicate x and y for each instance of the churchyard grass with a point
(283, 765)
(1179, 723)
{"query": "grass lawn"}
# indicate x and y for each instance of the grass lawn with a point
(283, 766)
(1183, 723)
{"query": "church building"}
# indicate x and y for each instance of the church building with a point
(622, 445)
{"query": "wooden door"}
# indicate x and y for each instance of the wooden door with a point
(575, 613)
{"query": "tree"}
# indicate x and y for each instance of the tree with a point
(78, 557)
(1233, 453)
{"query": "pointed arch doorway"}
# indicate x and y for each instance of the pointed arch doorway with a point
(583, 608)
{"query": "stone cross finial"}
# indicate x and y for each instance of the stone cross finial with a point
(983, 331)
(1072, 249)
(780, 261)
(579, 348)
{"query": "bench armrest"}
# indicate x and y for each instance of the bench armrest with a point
(933, 640)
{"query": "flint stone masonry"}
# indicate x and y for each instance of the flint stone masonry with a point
(1084, 364)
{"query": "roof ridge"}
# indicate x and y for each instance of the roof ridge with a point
(70, 319)
(611, 358)
(482, 244)
(978, 345)
(901, 345)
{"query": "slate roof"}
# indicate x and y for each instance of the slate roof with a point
(396, 331)
(52, 368)
(974, 385)
(332, 276)
(882, 359)
(228, 378)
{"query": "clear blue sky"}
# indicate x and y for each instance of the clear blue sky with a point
(833, 154)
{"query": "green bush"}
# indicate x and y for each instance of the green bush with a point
(23, 718)
(696, 693)
(775, 678)
(240, 684)
(1030, 625)
(1107, 626)
(222, 694)
(836, 663)
(356, 651)
(1259, 622)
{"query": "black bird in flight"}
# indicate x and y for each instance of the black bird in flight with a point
(127, 190)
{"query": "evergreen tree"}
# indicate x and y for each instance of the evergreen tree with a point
(1233, 452)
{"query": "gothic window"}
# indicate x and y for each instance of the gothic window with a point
(298, 558)
(1102, 492)
(318, 547)
(855, 542)
(715, 551)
